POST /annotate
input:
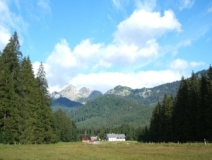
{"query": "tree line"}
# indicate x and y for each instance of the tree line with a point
(25, 113)
(185, 118)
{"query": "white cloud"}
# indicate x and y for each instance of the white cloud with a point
(87, 50)
(184, 4)
(62, 56)
(180, 64)
(143, 25)
(9, 21)
(4, 37)
(108, 80)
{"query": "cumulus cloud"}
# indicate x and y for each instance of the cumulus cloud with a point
(143, 25)
(179, 64)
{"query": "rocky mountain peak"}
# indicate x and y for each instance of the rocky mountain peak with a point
(79, 95)
(120, 91)
(85, 91)
(70, 92)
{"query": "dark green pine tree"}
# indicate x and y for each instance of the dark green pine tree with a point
(46, 123)
(180, 113)
(208, 99)
(166, 117)
(29, 109)
(65, 127)
(201, 126)
(10, 91)
(156, 123)
(193, 103)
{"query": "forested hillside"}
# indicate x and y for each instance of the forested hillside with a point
(186, 118)
(147, 96)
(111, 111)
(25, 113)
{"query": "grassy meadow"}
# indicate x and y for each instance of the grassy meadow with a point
(107, 151)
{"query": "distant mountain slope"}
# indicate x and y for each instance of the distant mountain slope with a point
(149, 95)
(111, 111)
(146, 95)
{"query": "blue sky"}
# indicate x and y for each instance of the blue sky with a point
(101, 44)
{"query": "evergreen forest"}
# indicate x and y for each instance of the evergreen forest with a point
(186, 117)
(25, 113)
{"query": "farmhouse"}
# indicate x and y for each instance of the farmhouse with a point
(85, 138)
(115, 137)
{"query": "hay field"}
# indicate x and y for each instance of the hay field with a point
(107, 151)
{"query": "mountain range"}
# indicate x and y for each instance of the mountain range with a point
(91, 108)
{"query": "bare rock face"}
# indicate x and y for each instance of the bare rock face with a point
(79, 95)
(70, 92)
(85, 92)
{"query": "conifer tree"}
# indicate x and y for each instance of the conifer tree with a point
(10, 91)
(166, 116)
(65, 127)
(46, 123)
(179, 113)
(156, 123)
(202, 110)
(29, 94)
(208, 110)
(193, 102)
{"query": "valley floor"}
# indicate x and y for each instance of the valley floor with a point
(107, 151)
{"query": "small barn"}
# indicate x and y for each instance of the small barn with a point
(85, 138)
(115, 137)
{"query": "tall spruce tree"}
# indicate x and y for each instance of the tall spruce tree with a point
(166, 116)
(180, 113)
(46, 125)
(65, 127)
(193, 102)
(208, 102)
(29, 110)
(201, 125)
(10, 91)
(156, 123)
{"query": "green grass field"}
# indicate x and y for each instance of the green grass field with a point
(107, 151)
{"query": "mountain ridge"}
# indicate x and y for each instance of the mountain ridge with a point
(143, 95)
